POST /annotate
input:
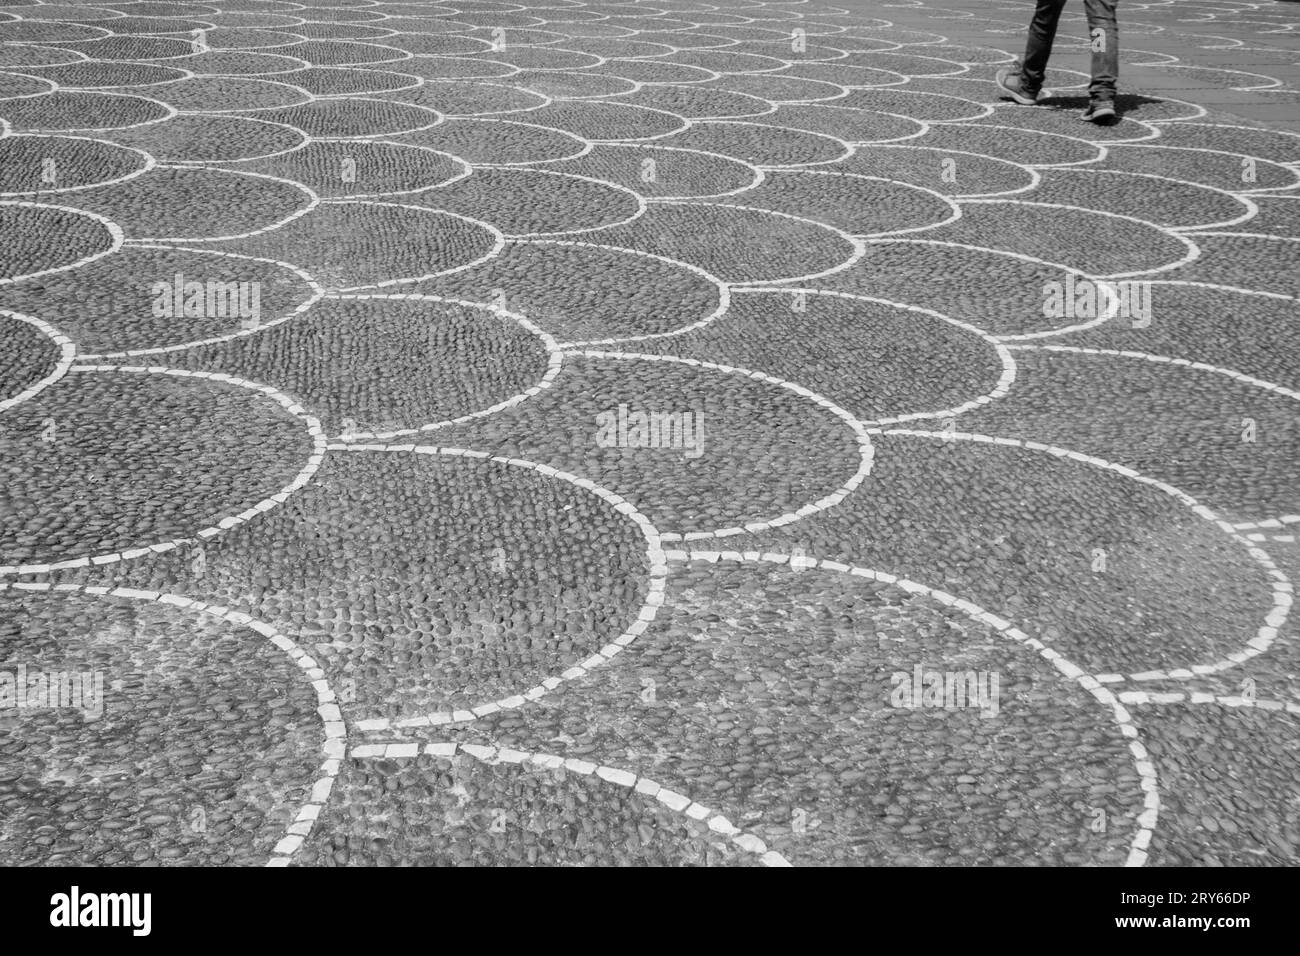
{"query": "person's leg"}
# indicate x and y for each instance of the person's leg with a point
(1103, 33)
(1038, 48)
(1024, 82)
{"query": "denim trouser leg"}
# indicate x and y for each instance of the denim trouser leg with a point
(1042, 31)
(1103, 33)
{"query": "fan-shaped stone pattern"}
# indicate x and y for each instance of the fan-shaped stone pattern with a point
(201, 11)
(352, 117)
(472, 98)
(16, 85)
(618, 47)
(1262, 340)
(652, 71)
(338, 170)
(1164, 202)
(586, 291)
(131, 299)
(346, 244)
(931, 107)
(343, 52)
(238, 63)
(1226, 171)
(183, 203)
(33, 31)
(130, 47)
(426, 583)
(92, 75)
(201, 94)
(1075, 238)
(948, 172)
(436, 44)
(522, 202)
(1276, 146)
(852, 125)
(340, 81)
(1029, 556)
(662, 172)
(548, 58)
(735, 244)
(1076, 401)
(778, 88)
(72, 12)
(1276, 217)
(145, 25)
(47, 239)
(174, 456)
(698, 102)
(1064, 122)
(852, 77)
(444, 23)
(895, 784)
(1204, 819)
(341, 31)
(25, 56)
(1010, 144)
(854, 204)
(873, 359)
(723, 61)
(486, 141)
(606, 121)
(908, 64)
(1250, 262)
(30, 355)
(58, 111)
(760, 145)
(920, 272)
(414, 811)
(409, 363)
(457, 68)
(562, 84)
(748, 455)
(209, 139)
(34, 164)
(195, 743)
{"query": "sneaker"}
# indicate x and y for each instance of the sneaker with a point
(1101, 112)
(1013, 86)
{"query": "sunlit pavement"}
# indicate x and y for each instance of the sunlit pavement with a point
(646, 433)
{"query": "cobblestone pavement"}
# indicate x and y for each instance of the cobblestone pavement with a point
(672, 432)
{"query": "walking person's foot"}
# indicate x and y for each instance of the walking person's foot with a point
(1101, 112)
(1013, 85)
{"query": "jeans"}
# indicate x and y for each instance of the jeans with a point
(1103, 34)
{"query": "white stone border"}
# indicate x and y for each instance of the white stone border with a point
(678, 803)
(1006, 378)
(654, 598)
(316, 293)
(115, 237)
(332, 719)
(149, 163)
(1142, 762)
(554, 361)
(267, 504)
(1281, 585)
(67, 352)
